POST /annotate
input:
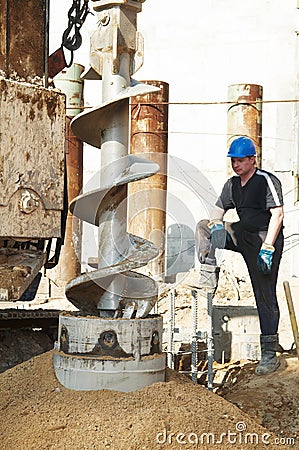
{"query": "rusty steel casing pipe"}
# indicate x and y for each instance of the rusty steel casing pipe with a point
(244, 116)
(70, 83)
(148, 197)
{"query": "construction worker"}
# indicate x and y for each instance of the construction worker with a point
(258, 236)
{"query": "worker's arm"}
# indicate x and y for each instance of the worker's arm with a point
(217, 214)
(216, 222)
(265, 256)
(274, 224)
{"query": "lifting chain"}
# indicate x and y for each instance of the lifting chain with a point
(71, 38)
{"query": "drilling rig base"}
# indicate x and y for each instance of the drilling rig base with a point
(94, 353)
(90, 374)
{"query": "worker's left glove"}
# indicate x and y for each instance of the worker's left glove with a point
(264, 259)
(215, 225)
(217, 233)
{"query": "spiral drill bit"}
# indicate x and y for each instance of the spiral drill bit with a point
(113, 290)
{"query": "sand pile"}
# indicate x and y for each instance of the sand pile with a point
(36, 412)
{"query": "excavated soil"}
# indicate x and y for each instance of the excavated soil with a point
(272, 400)
(247, 411)
(36, 412)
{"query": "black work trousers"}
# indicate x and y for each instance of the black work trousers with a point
(247, 243)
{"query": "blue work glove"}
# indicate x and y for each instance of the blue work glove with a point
(218, 234)
(215, 225)
(264, 259)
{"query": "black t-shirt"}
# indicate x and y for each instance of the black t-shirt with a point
(252, 201)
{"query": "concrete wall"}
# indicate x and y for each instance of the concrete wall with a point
(200, 48)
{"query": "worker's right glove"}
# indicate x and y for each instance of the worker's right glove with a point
(264, 259)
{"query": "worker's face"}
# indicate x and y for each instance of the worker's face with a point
(243, 166)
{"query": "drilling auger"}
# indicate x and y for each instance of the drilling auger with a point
(112, 342)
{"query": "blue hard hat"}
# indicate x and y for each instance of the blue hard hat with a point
(241, 147)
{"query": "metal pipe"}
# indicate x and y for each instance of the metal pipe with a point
(147, 197)
(46, 42)
(194, 357)
(210, 340)
(7, 36)
(244, 117)
(112, 233)
(292, 314)
(171, 325)
(70, 83)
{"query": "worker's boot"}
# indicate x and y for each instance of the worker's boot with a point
(209, 277)
(269, 361)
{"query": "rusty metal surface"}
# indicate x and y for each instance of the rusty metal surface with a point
(244, 117)
(32, 129)
(70, 258)
(69, 265)
(147, 197)
(22, 318)
(22, 31)
(3, 35)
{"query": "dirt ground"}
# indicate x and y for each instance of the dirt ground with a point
(244, 411)
(272, 400)
(36, 412)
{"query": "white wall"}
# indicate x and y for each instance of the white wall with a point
(200, 47)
